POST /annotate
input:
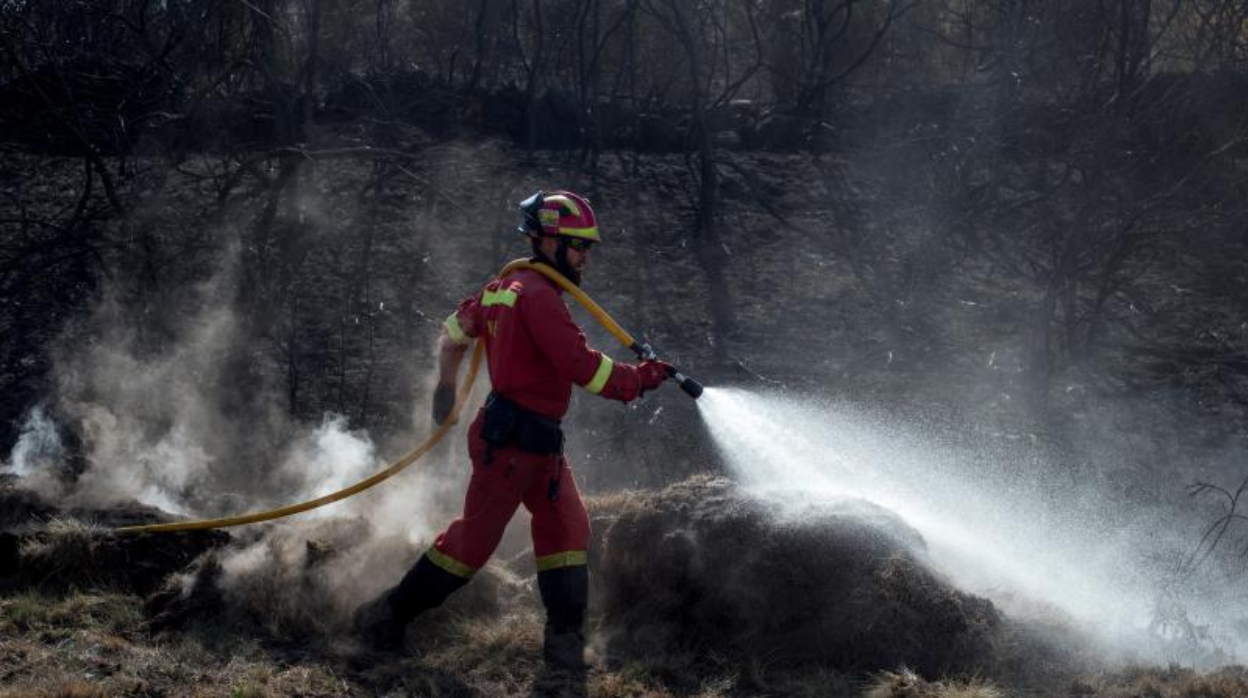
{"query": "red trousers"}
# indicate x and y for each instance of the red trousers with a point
(502, 479)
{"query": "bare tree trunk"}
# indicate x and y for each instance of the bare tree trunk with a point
(292, 354)
(709, 248)
(533, 73)
(364, 304)
(479, 59)
(382, 29)
(311, 64)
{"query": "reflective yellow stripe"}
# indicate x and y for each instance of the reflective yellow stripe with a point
(454, 331)
(587, 233)
(505, 297)
(449, 563)
(599, 380)
(568, 558)
(566, 202)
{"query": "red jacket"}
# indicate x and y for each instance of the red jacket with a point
(535, 351)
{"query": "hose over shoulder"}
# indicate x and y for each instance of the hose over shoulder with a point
(575, 291)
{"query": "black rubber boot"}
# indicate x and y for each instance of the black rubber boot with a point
(565, 592)
(382, 622)
(375, 626)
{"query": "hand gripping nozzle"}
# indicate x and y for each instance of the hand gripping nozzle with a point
(646, 352)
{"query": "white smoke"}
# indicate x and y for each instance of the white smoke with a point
(328, 459)
(38, 446)
(126, 464)
(156, 428)
(150, 424)
(37, 453)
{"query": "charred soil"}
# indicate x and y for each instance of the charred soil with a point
(699, 590)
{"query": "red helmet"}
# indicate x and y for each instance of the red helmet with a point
(547, 214)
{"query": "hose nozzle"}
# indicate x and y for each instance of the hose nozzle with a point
(645, 352)
(691, 387)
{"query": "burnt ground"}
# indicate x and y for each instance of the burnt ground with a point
(699, 590)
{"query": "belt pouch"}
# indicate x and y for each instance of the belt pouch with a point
(502, 416)
(539, 435)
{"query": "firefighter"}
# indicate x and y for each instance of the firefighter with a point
(535, 353)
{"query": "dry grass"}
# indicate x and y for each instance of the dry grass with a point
(1173, 682)
(62, 689)
(491, 656)
(250, 641)
(66, 554)
(906, 684)
(89, 645)
(80, 668)
(636, 680)
(622, 685)
(106, 613)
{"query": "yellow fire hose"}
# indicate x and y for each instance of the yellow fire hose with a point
(461, 397)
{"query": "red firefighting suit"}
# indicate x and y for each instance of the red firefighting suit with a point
(535, 353)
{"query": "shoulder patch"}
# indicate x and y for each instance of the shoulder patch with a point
(505, 297)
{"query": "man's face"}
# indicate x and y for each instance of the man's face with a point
(577, 258)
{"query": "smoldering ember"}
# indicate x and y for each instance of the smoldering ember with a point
(612, 348)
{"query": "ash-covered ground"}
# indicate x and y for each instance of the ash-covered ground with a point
(700, 588)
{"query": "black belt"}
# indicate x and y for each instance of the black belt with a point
(507, 423)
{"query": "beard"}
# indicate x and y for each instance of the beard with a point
(559, 263)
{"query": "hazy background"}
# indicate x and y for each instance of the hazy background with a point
(229, 233)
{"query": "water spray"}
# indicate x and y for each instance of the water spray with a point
(992, 516)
